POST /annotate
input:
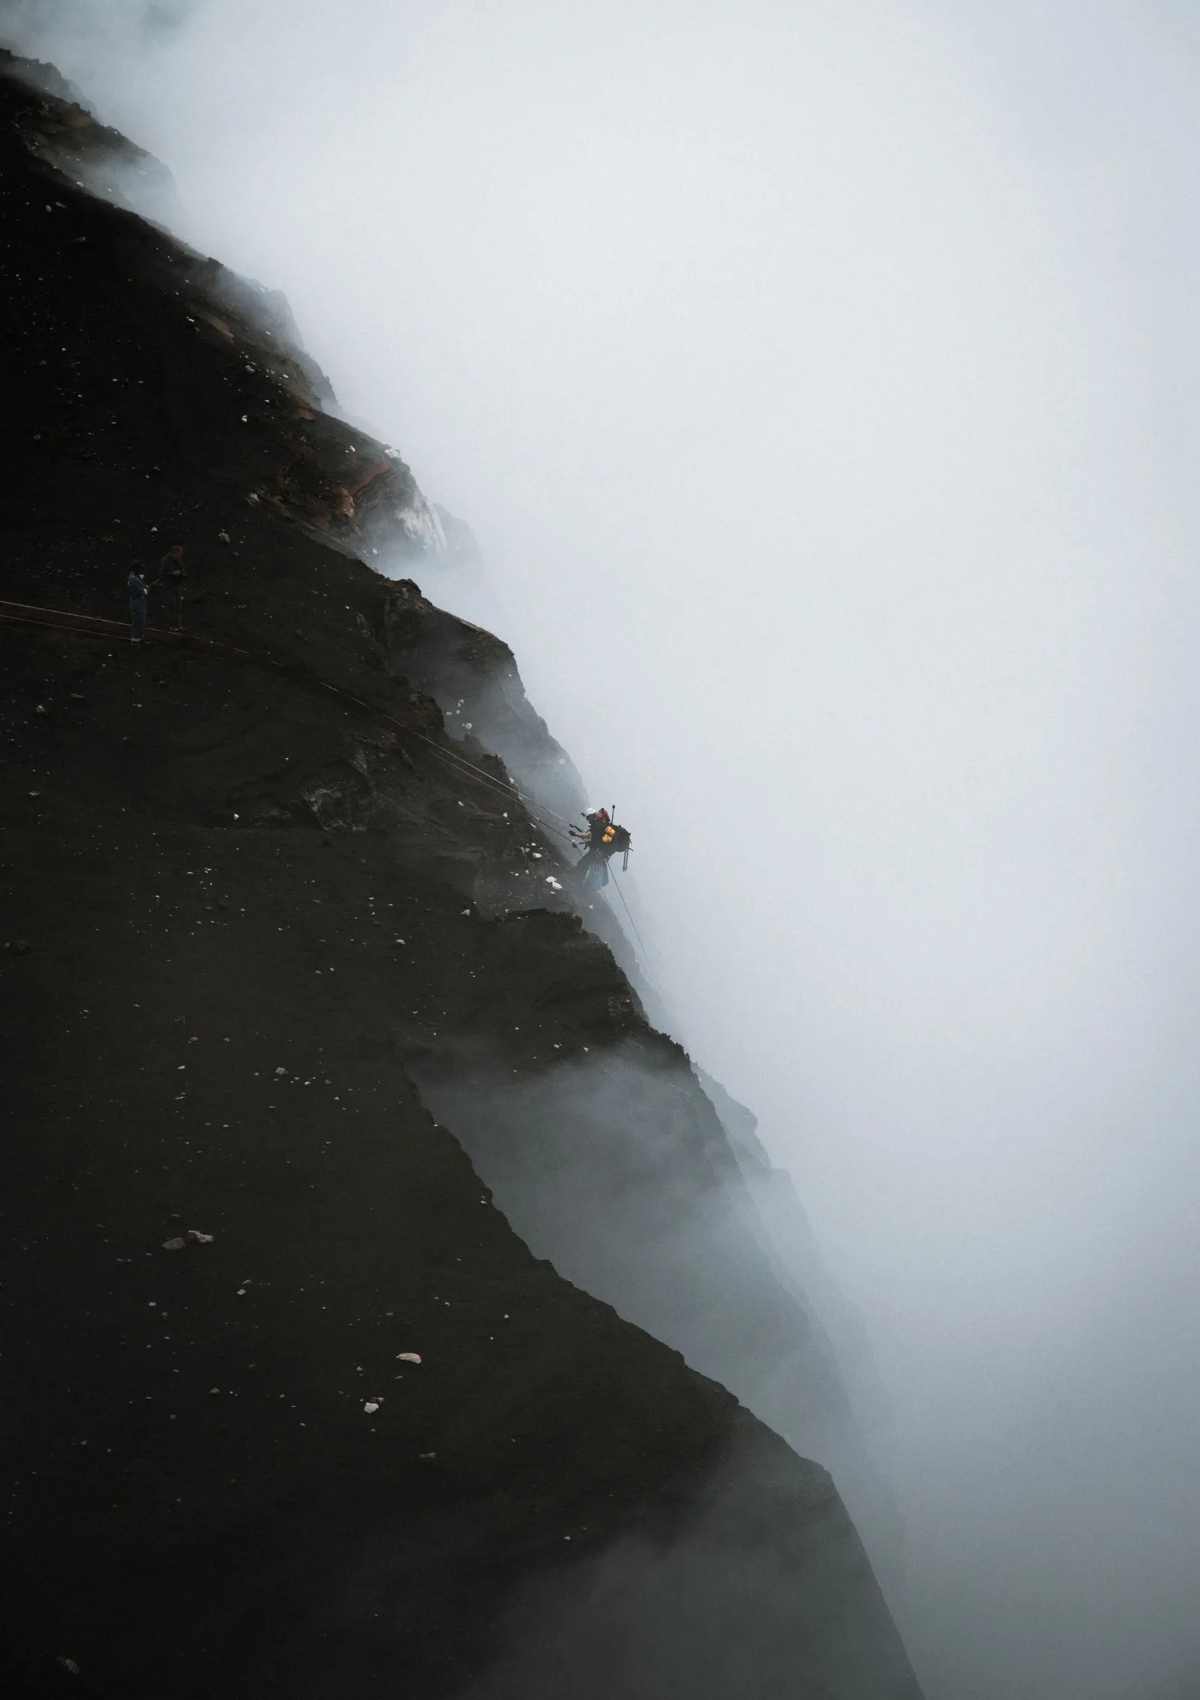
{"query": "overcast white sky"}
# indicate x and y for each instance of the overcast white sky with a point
(820, 380)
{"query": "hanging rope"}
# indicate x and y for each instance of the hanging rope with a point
(641, 942)
(95, 625)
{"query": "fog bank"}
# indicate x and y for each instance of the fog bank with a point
(820, 383)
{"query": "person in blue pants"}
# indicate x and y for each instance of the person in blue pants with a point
(137, 606)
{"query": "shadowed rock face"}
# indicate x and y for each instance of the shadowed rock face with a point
(248, 401)
(474, 678)
(556, 1633)
(64, 133)
(258, 915)
(614, 1165)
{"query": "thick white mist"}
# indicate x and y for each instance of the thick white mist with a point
(820, 382)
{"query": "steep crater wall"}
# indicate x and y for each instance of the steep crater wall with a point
(255, 920)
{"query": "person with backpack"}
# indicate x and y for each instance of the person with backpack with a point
(602, 839)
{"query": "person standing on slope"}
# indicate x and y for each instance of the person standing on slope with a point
(137, 606)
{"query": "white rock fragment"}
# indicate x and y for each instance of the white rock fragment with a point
(176, 1244)
(408, 1357)
(200, 1239)
(371, 1405)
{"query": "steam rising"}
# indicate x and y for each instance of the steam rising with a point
(820, 382)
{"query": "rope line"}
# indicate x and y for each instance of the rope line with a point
(96, 625)
(640, 940)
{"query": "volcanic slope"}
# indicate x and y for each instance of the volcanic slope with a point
(259, 911)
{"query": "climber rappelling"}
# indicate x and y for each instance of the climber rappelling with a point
(600, 840)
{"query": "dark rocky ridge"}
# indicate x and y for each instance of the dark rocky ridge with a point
(474, 678)
(211, 861)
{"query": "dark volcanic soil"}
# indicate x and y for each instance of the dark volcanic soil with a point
(241, 915)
